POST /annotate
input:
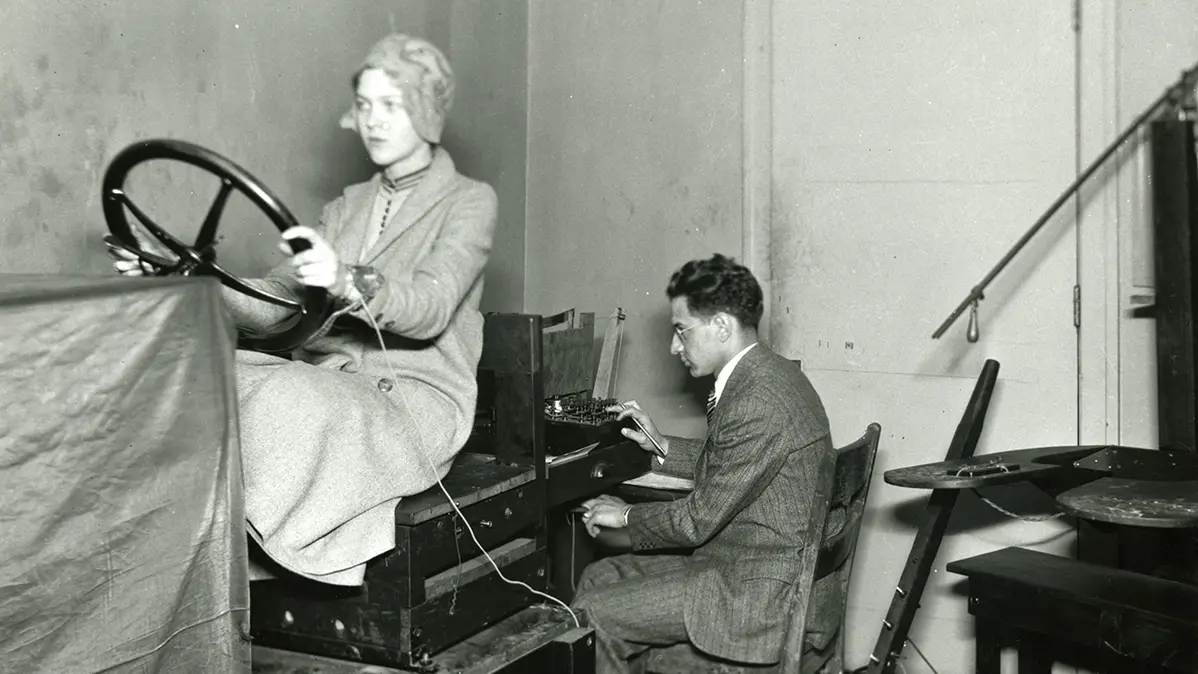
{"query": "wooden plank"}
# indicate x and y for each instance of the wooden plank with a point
(518, 636)
(478, 567)
(1175, 210)
(488, 652)
(1084, 583)
(276, 661)
(1021, 465)
(567, 358)
(474, 477)
(918, 567)
(613, 337)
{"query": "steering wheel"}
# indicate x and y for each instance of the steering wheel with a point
(313, 305)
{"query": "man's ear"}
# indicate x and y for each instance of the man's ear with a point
(724, 325)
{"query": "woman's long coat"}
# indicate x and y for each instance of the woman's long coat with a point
(334, 439)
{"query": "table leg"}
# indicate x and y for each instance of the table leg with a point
(1034, 654)
(988, 646)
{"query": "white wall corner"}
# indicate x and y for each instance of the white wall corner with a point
(757, 101)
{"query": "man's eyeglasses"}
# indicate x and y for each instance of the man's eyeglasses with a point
(680, 332)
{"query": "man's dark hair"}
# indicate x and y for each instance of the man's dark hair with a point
(718, 284)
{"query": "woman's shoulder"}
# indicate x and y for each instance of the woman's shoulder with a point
(356, 190)
(475, 190)
(446, 171)
(467, 187)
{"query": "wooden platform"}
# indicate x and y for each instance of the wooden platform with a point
(473, 478)
(538, 639)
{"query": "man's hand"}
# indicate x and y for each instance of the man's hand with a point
(649, 438)
(318, 266)
(603, 511)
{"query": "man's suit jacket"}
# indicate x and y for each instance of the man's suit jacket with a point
(754, 483)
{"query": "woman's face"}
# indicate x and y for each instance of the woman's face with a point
(383, 123)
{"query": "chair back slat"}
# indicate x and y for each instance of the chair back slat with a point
(844, 488)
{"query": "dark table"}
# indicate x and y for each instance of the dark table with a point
(1045, 604)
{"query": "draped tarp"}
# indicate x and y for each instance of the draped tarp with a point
(122, 544)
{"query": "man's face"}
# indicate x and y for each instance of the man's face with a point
(383, 123)
(695, 340)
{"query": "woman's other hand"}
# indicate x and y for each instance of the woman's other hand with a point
(125, 262)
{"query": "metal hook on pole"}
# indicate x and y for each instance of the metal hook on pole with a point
(973, 332)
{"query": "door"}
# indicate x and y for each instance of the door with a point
(1134, 51)
(913, 143)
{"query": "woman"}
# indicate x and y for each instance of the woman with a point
(332, 440)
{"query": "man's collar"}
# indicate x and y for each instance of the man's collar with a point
(721, 379)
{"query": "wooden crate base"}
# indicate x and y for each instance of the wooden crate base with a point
(537, 640)
(348, 623)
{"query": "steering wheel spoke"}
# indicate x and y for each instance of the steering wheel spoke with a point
(176, 246)
(314, 304)
(207, 233)
(162, 265)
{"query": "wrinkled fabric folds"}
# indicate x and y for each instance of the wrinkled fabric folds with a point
(121, 515)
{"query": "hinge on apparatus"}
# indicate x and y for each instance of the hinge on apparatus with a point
(1077, 306)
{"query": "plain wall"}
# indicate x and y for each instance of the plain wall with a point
(261, 83)
(634, 167)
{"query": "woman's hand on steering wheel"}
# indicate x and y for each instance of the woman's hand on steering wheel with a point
(318, 266)
(126, 263)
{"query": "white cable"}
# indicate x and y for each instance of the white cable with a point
(1008, 513)
(382, 344)
(921, 655)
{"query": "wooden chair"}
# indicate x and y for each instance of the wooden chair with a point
(824, 572)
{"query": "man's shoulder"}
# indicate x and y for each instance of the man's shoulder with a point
(777, 388)
(766, 369)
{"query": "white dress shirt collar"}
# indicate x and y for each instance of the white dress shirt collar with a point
(722, 378)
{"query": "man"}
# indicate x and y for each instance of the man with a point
(743, 523)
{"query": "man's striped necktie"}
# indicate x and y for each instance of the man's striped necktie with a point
(710, 404)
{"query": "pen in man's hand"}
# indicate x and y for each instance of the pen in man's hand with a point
(660, 453)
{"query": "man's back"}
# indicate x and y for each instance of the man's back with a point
(770, 412)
